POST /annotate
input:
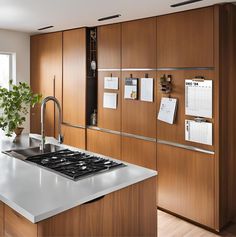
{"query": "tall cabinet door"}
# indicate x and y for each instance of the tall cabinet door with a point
(138, 116)
(74, 76)
(139, 52)
(46, 77)
(109, 58)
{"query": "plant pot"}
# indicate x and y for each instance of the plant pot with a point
(18, 131)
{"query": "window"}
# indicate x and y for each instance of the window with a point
(6, 69)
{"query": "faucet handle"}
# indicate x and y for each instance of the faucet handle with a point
(60, 138)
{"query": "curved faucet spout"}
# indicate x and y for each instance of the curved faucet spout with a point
(43, 108)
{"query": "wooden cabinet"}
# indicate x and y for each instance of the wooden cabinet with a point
(139, 152)
(104, 143)
(109, 46)
(186, 39)
(74, 136)
(74, 76)
(109, 57)
(192, 184)
(227, 114)
(128, 212)
(139, 117)
(186, 183)
(198, 42)
(139, 43)
(1, 219)
(109, 118)
(176, 132)
(46, 76)
(16, 225)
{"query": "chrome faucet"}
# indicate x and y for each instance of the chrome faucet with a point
(43, 108)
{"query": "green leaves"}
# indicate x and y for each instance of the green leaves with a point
(15, 104)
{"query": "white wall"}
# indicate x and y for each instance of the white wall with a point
(19, 43)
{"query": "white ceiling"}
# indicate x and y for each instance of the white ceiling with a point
(29, 15)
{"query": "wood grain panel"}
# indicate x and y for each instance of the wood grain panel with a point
(74, 136)
(46, 76)
(128, 212)
(1, 219)
(186, 183)
(139, 152)
(139, 43)
(217, 111)
(109, 118)
(109, 46)
(227, 116)
(74, 76)
(176, 132)
(139, 117)
(185, 39)
(18, 226)
(104, 143)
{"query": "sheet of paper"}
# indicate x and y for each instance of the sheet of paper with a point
(147, 89)
(131, 88)
(110, 100)
(198, 98)
(167, 110)
(111, 83)
(200, 132)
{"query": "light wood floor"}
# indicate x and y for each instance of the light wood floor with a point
(171, 226)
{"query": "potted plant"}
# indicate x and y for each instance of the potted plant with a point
(14, 106)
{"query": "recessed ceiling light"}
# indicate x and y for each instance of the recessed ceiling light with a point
(185, 3)
(109, 17)
(45, 28)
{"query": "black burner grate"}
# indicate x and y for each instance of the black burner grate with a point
(74, 164)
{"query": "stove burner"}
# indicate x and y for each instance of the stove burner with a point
(74, 164)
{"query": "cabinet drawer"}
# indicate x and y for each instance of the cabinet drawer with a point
(104, 143)
(17, 226)
(74, 136)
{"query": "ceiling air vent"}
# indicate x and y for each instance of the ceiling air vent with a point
(45, 28)
(109, 17)
(185, 3)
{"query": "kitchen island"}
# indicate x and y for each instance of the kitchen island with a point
(38, 202)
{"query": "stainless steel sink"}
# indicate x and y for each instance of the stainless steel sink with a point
(23, 154)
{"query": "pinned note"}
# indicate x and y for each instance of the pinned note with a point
(146, 89)
(131, 88)
(110, 100)
(167, 110)
(200, 132)
(111, 83)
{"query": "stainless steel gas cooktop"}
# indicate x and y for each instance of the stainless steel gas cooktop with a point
(74, 164)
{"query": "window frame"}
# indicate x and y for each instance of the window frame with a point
(12, 66)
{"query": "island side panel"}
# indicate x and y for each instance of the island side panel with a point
(128, 212)
(15, 225)
(1, 218)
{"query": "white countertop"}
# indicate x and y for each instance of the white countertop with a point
(37, 193)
